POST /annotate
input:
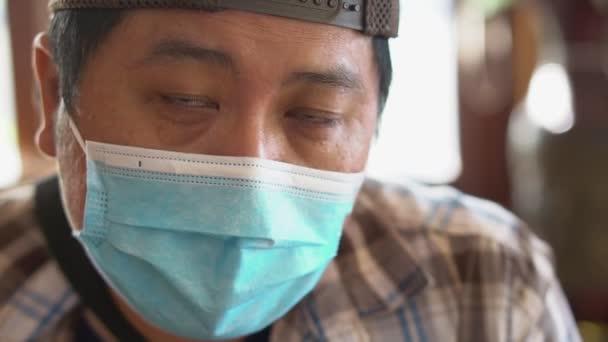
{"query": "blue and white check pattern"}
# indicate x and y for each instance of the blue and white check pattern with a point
(415, 264)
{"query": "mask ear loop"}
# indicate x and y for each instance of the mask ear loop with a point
(81, 143)
(76, 134)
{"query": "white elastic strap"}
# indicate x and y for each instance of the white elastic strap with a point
(76, 133)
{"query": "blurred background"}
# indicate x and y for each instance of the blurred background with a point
(503, 99)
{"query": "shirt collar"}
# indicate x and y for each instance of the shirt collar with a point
(378, 267)
(374, 273)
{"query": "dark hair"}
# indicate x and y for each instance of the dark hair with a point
(75, 34)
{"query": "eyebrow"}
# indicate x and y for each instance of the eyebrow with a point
(337, 76)
(178, 49)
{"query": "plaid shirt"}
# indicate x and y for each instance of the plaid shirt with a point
(415, 264)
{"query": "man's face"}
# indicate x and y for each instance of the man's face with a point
(227, 83)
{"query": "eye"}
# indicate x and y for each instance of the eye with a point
(191, 101)
(320, 118)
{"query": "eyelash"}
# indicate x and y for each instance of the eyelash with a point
(195, 102)
(320, 119)
(190, 101)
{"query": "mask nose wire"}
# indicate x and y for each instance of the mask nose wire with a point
(76, 133)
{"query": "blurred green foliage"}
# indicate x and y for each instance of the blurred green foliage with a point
(490, 7)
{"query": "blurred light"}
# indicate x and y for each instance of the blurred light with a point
(418, 137)
(549, 101)
(472, 38)
(10, 172)
(10, 169)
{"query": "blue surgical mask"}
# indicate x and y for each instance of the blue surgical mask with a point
(210, 247)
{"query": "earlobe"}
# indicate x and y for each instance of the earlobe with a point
(47, 81)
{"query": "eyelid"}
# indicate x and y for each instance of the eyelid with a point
(316, 116)
(197, 101)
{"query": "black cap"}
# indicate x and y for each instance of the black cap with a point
(372, 17)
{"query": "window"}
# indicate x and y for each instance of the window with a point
(418, 137)
(10, 164)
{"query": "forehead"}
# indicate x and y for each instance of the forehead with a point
(239, 23)
(249, 39)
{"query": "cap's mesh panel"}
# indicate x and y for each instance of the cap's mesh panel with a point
(382, 17)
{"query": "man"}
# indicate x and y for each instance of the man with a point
(210, 158)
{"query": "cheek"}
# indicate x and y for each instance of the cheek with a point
(350, 151)
(356, 148)
(72, 175)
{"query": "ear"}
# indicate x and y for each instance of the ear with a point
(47, 81)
